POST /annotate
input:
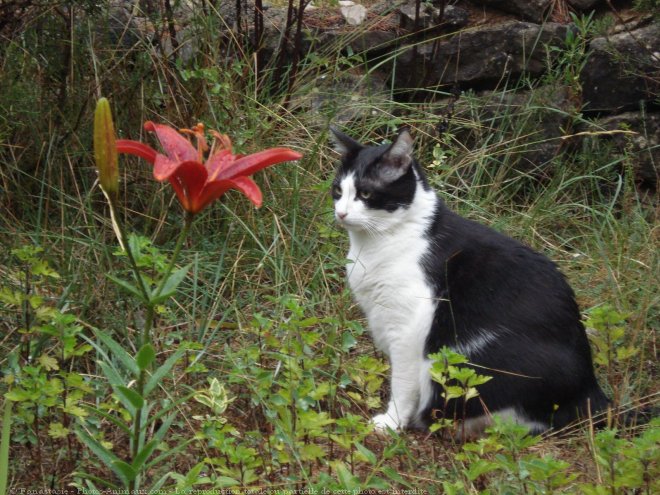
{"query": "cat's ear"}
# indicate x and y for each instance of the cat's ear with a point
(344, 145)
(396, 161)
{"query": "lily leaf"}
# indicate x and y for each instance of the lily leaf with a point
(170, 285)
(119, 352)
(163, 370)
(128, 472)
(143, 455)
(145, 356)
(127, 287)
(130, 395)
(107, 457)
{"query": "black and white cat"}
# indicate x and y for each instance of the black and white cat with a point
(426, 278)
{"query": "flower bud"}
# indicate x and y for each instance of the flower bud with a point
(105, 151)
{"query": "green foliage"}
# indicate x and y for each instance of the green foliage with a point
(627, 465)
(5, 434)
(457, 381)
(37, 371)
(571, 58)
(121, 369)
(609, 337)
(651, 6)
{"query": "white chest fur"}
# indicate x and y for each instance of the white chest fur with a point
(387, 279)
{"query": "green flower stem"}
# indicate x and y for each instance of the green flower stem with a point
(146, 336)
(187, 222)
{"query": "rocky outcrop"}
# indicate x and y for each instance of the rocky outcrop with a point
(432, 18)
(622, 71)
(543, 117)
(641, 138)
(480, 57)
(531, 10)
(584, 5)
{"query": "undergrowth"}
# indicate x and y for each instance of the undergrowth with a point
(274, 378)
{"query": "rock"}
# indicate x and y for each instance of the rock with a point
(343, 98)
(372, 41)
(644, 144)
(583, 5)
(384, 7)
(547, 112)
(123, 27)
(535, 122)
(353, 13)
(480, 58)
(623, 71)
(531, 10)
(452, 19)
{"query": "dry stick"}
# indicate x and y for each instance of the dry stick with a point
(258, 36)
(169, 16)
(297, 48)
(281, 54)
(238, 18)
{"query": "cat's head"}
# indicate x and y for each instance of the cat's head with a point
(374, 185)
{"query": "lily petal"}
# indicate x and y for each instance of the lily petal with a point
(215, 189)
(175, 145)
(164, 167)
(219, 160)
(250, 164)
(188, 180)
(136, 148)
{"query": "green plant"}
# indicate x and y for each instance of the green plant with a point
(503, 459)
(627, 465)
(458, 382)
(5, 434)
(652, 6)
(571, 58)
(608, 335)
(614, 350)
(46, 389)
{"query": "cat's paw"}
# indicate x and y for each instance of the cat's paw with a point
(385, 421)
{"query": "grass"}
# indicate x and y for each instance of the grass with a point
(265, 310)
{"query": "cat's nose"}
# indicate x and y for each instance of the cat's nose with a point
(342, 215)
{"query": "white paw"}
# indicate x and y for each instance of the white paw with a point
(385, 421)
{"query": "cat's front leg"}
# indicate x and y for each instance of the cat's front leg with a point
(404, 398)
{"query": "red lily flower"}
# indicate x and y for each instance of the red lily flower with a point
(196, 182)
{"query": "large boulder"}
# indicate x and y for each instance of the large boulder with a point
(342, 98)
(479, 58)
(530, 10)
(623, 71)
(641, 138)
(532, 123)
(584, 5)
(431, 18)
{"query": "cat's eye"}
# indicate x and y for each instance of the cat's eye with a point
(336, 191)
(364, 194)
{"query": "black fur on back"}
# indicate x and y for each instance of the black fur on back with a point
(539, 356)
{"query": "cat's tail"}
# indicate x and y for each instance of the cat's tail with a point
(597, 410)
(592, 407)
